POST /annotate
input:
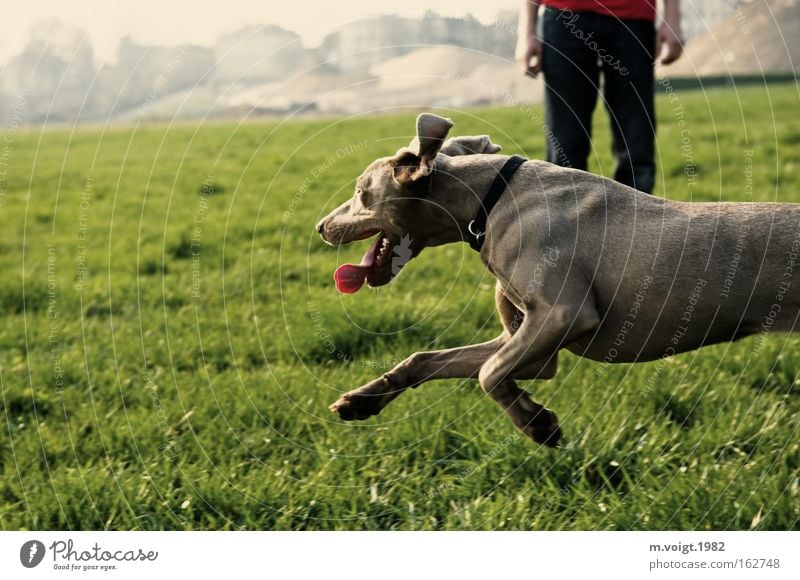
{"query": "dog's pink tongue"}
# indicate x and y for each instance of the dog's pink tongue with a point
(349, 278)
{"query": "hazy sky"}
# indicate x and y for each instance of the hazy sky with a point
(201, 21)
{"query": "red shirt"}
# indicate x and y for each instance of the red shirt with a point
(622, 9)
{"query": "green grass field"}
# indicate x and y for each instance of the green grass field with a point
(172, 339)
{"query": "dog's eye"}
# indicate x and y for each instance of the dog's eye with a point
(363, 196)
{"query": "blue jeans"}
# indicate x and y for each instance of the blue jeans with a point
(579, 48)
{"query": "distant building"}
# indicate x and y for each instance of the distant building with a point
(259, 53)
(359, 45)
(54, 72)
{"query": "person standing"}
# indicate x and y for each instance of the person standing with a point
(583, 41)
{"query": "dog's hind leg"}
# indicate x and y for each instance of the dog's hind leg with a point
(543, 331)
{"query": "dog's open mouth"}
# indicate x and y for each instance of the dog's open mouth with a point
(350, 278)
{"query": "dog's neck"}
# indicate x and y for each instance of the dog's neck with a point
(458, 187)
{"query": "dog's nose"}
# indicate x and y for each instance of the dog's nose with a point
(320, 225)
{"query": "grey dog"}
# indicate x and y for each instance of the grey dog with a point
(582, 263)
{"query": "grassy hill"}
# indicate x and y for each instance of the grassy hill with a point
(172, 339)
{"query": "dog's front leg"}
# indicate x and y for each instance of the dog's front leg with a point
(452, 363)
(543, 332)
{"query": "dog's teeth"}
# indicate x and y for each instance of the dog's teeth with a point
(380, 259)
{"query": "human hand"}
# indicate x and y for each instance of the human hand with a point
(526, 51)
(669, 42)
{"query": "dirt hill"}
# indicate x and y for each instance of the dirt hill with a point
(760, 36)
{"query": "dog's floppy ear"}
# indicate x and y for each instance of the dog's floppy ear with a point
(406, 166)
(431, 132)
(416, 160)
(469, 145)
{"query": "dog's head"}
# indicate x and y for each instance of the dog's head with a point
(393, 203)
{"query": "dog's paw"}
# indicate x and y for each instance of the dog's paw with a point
(542, 426)
(357, 407)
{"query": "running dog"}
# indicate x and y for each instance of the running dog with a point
(582, 263)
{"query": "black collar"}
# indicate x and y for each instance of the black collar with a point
(477, 227)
